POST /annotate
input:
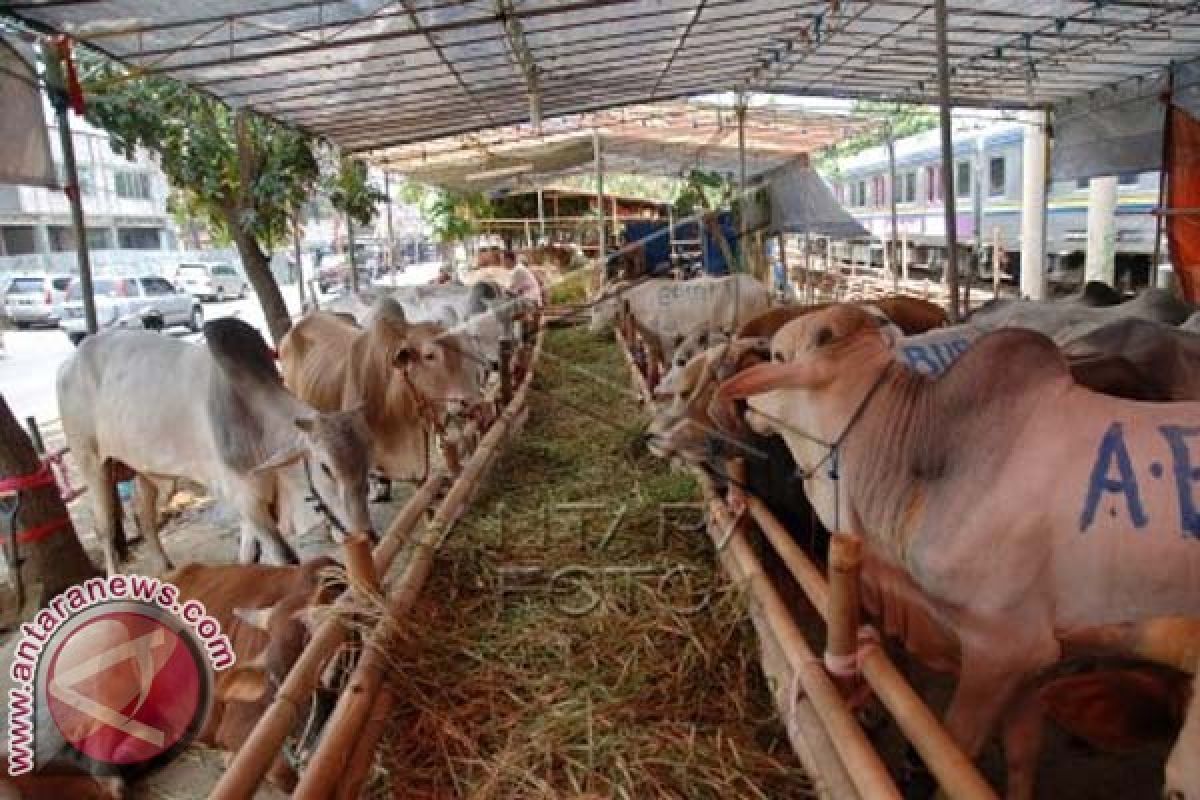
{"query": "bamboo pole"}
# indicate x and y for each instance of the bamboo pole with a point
(254, 758)
(841, 635)
(770, 615)
(956, 774)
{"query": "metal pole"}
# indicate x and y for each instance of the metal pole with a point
(742, 199)
(1101, 230)
(541, 215)
(891, 249)
(350, 253)
(598, 158)
(977, 220)
(77, 224)
(299, 253)
(387, 188)
(944, 119)
(1162, 176)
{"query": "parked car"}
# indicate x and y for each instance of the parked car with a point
(211, 281)
(147, 302)
(34, 299)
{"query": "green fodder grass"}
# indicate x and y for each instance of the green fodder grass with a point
(575, 639)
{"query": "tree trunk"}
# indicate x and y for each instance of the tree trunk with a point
(258, 271)
(58, 561)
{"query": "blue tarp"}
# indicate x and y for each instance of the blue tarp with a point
(657, 248)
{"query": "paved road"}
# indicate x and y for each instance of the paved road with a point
(29, 367)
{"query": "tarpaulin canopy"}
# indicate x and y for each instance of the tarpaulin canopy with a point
(667, 139)
(374, 73)
(25, 156)
(1120, 130)
(802, 203)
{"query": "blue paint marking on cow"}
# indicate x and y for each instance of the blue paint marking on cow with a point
(1112, 451)
(934, 359)
(1185, 475)
(1156, 470)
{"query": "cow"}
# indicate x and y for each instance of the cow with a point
(665, 308)
(1163, 358)
(1063, 321)
(404, 376)
(934, 473)
(481, 312)
(217, 414)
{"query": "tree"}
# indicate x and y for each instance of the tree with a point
(58, 561)
(450, 214)
(243, 173)
(902, 120)
(351, 193)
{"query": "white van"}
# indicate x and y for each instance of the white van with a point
(211, 281)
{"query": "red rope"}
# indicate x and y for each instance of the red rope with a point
(33, 480)
(39, 532)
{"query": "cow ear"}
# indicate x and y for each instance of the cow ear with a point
(244, 685)
(286, 456)
(769, 377)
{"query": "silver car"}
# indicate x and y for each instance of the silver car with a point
(34, 299)
(147, 302)
(211, 281)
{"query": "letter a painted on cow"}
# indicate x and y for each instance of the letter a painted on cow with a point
(1185, 476)
(1113, 451)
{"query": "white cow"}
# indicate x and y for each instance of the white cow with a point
(217, 414)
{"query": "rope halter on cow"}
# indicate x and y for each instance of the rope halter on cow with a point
(318, 503)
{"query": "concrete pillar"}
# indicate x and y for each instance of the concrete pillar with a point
(41, 239)
(1033, 207)
(1101, 230)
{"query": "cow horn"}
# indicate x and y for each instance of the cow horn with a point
(255, 617)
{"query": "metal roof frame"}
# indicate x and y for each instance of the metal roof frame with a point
(372, 74)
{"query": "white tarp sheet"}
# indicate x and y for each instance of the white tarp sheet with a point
(25, 157)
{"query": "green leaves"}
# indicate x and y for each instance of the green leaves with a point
(351, 192)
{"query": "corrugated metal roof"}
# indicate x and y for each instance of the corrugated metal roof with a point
(374, 73)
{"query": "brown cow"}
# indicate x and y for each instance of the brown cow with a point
(935, 473)
(265, 611)
(405, 377)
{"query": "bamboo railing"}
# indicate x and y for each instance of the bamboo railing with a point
(819, 721)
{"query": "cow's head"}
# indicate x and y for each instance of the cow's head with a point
(681, 426)
(685, 348)
(441, 367)
(811, 354)
(268, 642)
(334, 450)
(606, 305)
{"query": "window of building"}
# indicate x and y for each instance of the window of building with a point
(909, 188)
(138, 238)
(962, 179)
(18, 240)
(99, 239)
(997, 183)
(133, 185)
(62, 238)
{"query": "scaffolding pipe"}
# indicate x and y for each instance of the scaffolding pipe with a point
(944, 118)
(598, 158)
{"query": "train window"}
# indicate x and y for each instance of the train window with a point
(962, 179)
(933, 184)
(910, 188)
(996, 181)
(861, 198)
(1128, 179)
(1082, 183)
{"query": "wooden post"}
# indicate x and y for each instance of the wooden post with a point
(528, 235)
(598, 157)
(506, 357)
(391, 259)
(541, 216)
(742, 199)
(350, 254)
(904, 254)
(841, 645)
(945, 121)
(783, 262)
(450, 454)
(995, 262)
(891, 246)
(360, 564)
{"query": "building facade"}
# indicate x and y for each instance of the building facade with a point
(124, 202)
